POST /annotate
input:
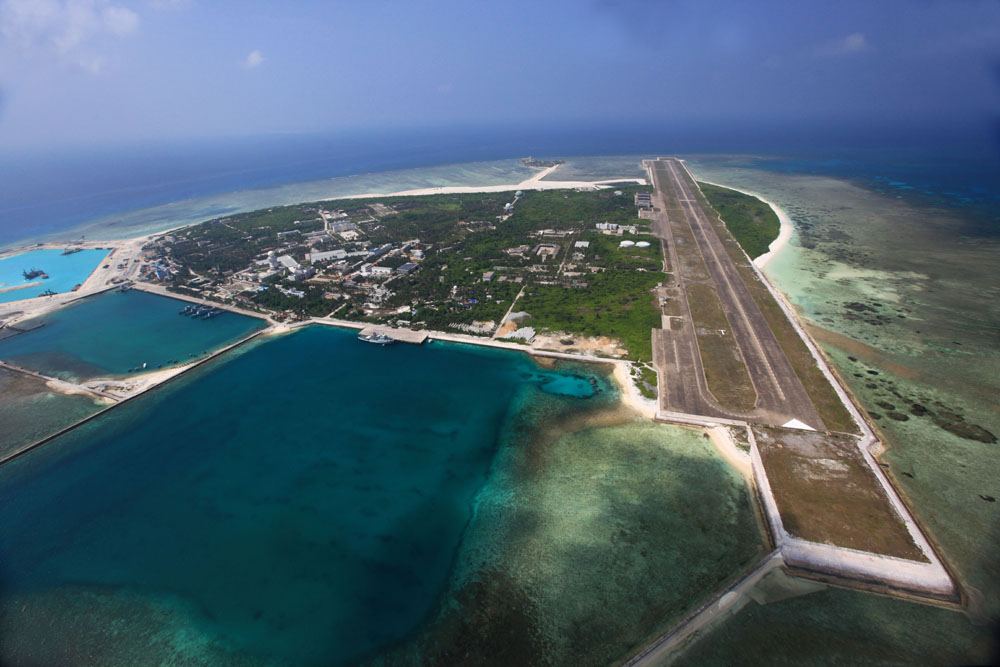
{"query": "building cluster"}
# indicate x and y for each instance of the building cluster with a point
(615, 229)
(349, 264)
(330, 254)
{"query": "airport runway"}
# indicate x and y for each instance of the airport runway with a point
(780, 394)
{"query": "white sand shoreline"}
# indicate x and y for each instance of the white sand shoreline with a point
(785, 233)
(722, 438)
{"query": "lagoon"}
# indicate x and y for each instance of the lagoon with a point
(108, 334)
(65, 271)
(307, 499)
(297, 499)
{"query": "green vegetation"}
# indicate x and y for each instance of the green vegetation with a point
(605, 250)
(313, 304)
(752, 222)
(475, 258)
(646, 380)
(617, 304)
(232, 243)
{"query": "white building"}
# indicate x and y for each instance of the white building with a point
(289, 263)
(329, 254)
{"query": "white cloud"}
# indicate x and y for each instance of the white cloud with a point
(120, 20)
(254, 59)
(854, 43)
(66, 29)
(169, 5)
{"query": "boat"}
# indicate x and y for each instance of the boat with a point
(375, 338)
(34, 273)
(71, 251)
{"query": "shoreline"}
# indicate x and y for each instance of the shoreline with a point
(784, 234)
(71, 235)
(533, 183)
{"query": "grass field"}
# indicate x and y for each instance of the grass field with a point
(725, 371)
(826, 493)
(617, 304)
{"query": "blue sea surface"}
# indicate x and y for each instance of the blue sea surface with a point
(65, 271)
(966, 184)
(113, 332)
(303, 499)
(113, 191)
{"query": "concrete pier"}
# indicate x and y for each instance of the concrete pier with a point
(399, 335)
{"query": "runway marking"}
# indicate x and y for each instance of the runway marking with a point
(728, 283)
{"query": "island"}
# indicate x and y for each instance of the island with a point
(660, 279)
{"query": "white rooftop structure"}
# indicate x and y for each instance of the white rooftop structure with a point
(582, 244)
(626, 244)
(287, 262)
(329, 254)
(641, 244)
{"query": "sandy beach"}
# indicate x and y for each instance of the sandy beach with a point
(533, 183)
(784, 235)
(726, 446)
(630, 393)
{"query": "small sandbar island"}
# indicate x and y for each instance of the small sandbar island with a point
(356, 461)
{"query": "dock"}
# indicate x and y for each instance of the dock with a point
(398, 335)
(162, 291)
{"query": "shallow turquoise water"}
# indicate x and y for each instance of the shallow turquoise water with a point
(65, 271)
(300, 500)
(30, 411)
(113, 332)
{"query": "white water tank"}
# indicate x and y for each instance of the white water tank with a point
(626, 244)
(642, 244)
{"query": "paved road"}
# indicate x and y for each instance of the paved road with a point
(780, 394)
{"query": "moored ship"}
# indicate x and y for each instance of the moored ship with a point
(375, 338)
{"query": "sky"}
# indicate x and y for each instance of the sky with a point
(93, 71)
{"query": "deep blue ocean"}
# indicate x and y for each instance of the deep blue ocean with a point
(47, 191)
